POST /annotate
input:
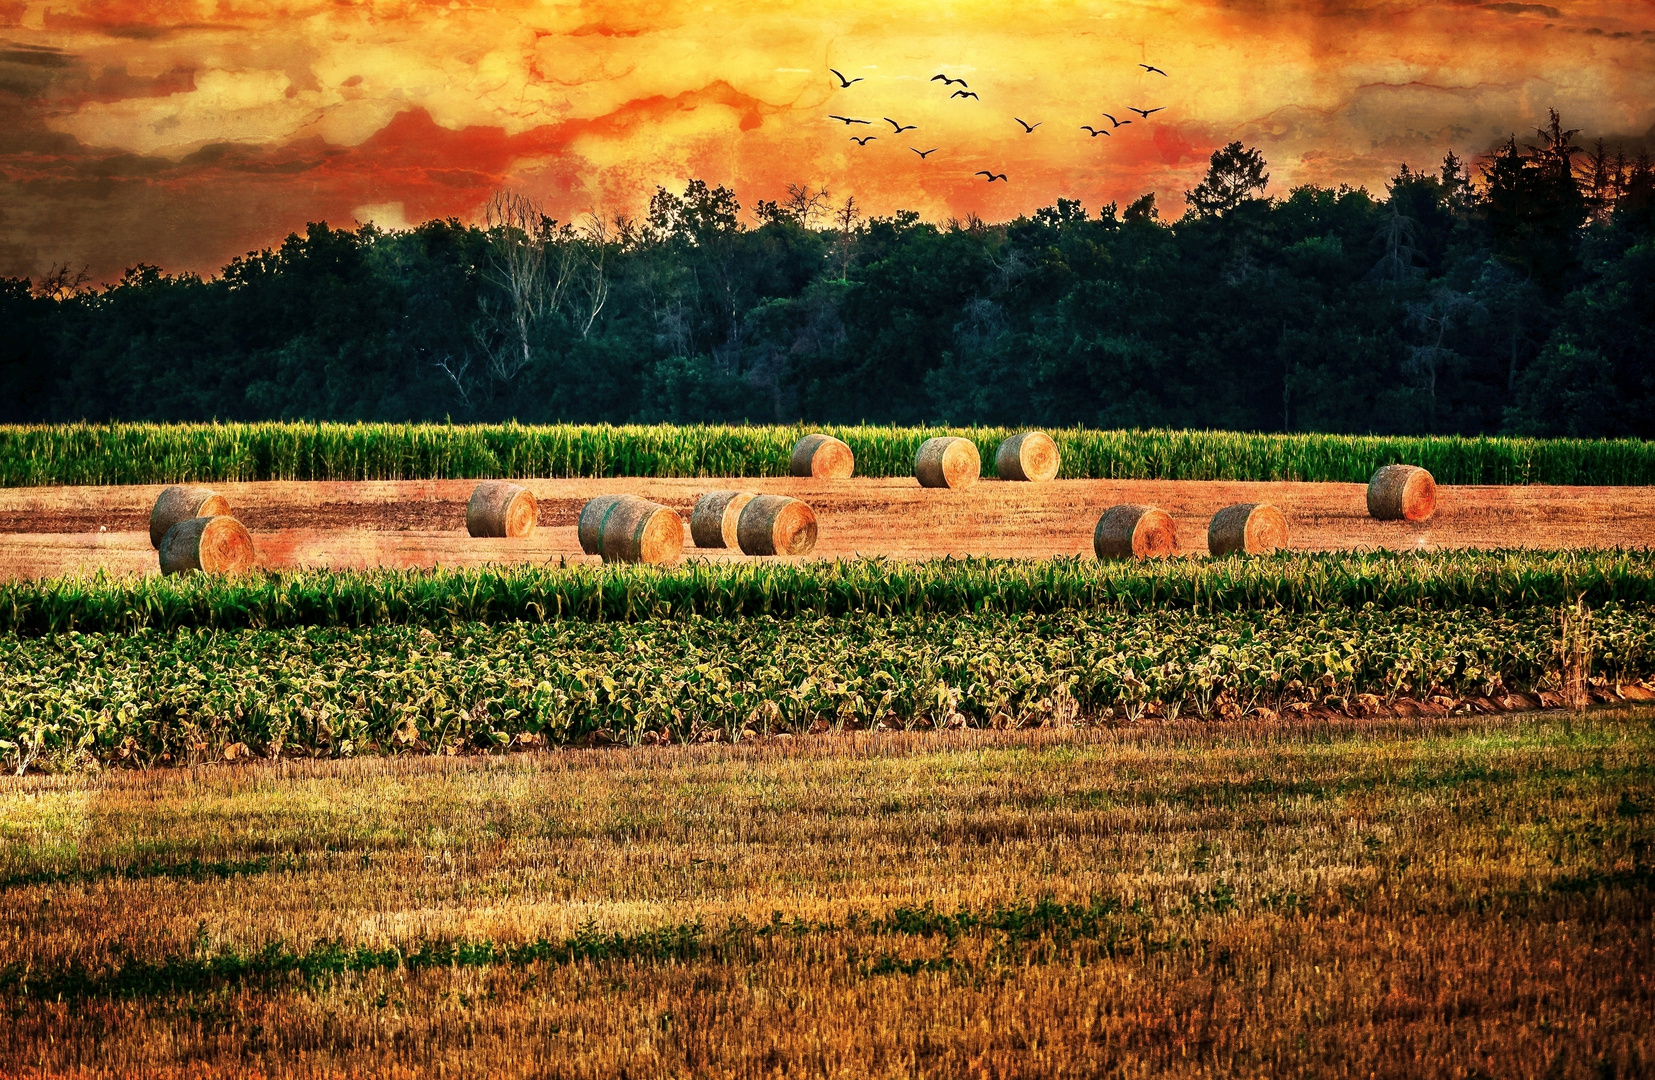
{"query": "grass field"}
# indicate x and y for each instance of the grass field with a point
(1466, 896)
(169, 453)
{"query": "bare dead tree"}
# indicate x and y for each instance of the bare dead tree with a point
(529, 272)
(845, 220)
(804, 205)
(596, 238)
(458, 372)
(60, 282)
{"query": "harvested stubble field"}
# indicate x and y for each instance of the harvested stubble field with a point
(1464, 896)
(421, 523)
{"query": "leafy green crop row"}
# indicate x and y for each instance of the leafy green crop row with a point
(163, 453)
(338, 692)
(1298, 582)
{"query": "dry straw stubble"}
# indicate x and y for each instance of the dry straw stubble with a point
(213, 545)
(1146, 900)
(1248, 528)
(715, 521)
(1028, 455)
(501, 509)
(181, 502)
(1402, 493)
(823, 457)
(1132, 531)
(777, 525)
(947, 461)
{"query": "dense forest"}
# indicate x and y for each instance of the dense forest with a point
(1516, 295)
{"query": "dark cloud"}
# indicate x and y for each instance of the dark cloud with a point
(35, 56)
(151, 32)
(28, 71)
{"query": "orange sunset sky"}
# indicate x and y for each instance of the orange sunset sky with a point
(184, 132)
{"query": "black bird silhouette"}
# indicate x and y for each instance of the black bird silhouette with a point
(923, 153)
(963, 93)
(946, 81)
(1095, 132)
(844, 82)
(1156, 70)
(1117, 123)
(900, 128)
(848, 120)
(991, 176)
(1027, 128)
(1144, 112)
(863, 141)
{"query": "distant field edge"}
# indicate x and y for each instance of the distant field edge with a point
(86, 454)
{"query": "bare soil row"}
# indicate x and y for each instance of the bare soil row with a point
(50, 531)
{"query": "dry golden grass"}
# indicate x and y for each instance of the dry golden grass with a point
(1462, 897)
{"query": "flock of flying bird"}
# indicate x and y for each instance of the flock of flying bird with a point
(967, 93)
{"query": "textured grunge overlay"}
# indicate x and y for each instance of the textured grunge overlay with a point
(184, 133)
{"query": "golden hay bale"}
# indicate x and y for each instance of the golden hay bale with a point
(212, 545)
(501, 509)
(1402, 493)
(182, 502)
(1250, 528)
(592, 517)
(639, 531)
(1030, 455)
(776, 525)
(714, 521)
(823, 457)
(1130, 531)
(947, 461)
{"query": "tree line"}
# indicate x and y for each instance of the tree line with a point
(1516, 295)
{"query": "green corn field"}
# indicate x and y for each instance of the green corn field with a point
(1303, 582)
(165, 453)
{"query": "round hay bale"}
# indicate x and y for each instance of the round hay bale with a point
(776, 525)
(714, 521)
(212, 545)
(181, 502)
(1402, 493)
(1130, 531)
(501, 509)
(947, 462)
(592, 517)
(1250, 528)
(823, 457)
(638, 531)
(1029, 455)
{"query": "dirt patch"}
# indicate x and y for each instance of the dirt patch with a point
(47, 531)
